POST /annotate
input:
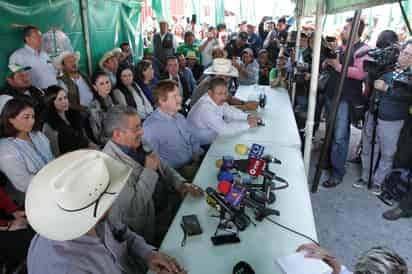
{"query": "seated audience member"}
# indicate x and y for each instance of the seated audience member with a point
(127, 59)
(264, 67)
(189, 45)
(208, 44)
(109, 64)
(31, 55)
(78, 86)
(193, 65)
(63, 126)
(172, 73)
(15, 236)
(186, 72)
(145, 78)
(128, 93)
(377, 260)
(150, 200)
(248, 68)
(102, 101)
(236, 46)
(156, 64)
(23, 152)
(19, 86)
(222, 68)
(74, 238)
(211, 116)
(169, 134)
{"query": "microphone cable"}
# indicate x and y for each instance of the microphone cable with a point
(291, 230)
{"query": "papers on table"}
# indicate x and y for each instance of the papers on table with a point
(296, 263)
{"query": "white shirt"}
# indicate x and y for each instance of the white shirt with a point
(207, 51)
(85, 94)
(210, 120)
(42, 73)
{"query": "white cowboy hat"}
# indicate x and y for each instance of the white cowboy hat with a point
(58, 61)
(223, 67)
(71, 194)
(106, 57)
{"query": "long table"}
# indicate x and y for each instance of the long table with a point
(261, 244)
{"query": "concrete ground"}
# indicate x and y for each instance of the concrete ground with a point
(349, 220)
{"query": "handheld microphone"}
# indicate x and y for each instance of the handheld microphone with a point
(239, 219)
(225, 176)
(224, 187)
(235, 195)
(256, 151)
(255, 167)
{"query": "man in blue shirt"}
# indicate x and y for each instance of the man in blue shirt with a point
(168, 132)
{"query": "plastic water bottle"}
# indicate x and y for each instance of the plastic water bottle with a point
(273, 74)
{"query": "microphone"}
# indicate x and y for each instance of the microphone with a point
(239, 219)
(224, 187)
(235, 195)
(255, 167)
(256, 151)
(225, 176)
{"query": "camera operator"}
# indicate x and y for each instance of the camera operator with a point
(351, 94)
(392, 111)
(302, 75)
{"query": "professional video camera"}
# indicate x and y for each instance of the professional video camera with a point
(326, 50)
(384, 60)
(301, 69)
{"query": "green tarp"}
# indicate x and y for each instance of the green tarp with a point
(110, 23)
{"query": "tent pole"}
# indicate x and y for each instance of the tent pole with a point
(86, 36)
(313, 86)
(405, 17)
(336, 100)
(297, 52)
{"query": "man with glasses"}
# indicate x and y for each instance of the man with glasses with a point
(392, 111)
(154, 190)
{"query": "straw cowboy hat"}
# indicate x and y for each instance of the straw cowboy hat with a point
(58, 61)
(71, 194)
(223, 67)
(106, 56)
(191, 55)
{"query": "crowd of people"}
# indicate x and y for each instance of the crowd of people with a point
(153, 119)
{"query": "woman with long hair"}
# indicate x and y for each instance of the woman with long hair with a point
(128, 93)
(63, 125)
(144, 78)
(23, 151)
(100, 104)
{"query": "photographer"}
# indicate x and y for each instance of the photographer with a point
(302, 75)
(351, 94)
(393, 112)
(386, 115)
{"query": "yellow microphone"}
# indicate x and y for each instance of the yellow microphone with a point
(241, 149)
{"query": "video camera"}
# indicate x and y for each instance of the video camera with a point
(326, 50)
(384, 60)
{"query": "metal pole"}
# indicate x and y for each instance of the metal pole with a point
(405, 17)
(336, 100)
(313, 86)
(297, 52)
(86, 36)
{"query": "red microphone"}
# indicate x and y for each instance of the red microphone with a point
(255, 167)
(224, 187)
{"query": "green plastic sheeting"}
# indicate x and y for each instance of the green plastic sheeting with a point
(161, 9)
(219, 12)
(110, 23)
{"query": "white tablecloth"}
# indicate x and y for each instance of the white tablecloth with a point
(261, 244)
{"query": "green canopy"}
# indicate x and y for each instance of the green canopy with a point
(308, 7)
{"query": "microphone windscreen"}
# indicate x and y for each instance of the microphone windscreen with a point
(241, 149)
(225, 176)
(224, 187)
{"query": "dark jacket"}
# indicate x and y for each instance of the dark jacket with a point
(352, 88)
(69, 137)
(163, 48)
(73, 91)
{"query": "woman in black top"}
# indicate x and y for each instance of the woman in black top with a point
(63, 126)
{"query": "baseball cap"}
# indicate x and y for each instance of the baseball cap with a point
(13, 68)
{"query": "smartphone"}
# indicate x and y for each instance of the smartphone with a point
(225, 239)
(191, 225)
